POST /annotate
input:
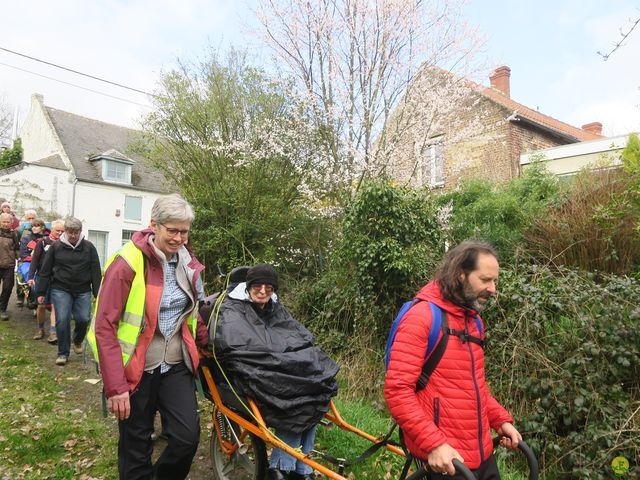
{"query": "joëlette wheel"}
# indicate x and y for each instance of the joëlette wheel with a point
(241, 465)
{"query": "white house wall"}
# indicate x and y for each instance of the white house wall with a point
(101, 208)
(47, 190)
(37, 134)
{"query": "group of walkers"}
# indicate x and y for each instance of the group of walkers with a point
(147, 336)
(54, 269)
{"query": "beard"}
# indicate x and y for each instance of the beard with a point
(473, 300)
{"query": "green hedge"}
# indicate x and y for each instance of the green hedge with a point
(564, 352)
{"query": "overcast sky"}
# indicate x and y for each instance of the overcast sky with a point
(550, 46)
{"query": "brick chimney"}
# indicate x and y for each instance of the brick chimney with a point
(500, 80)
(593, 127)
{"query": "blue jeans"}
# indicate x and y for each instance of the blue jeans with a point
(66, 304)
(284, 461)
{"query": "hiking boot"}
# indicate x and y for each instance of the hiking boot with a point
(52, 338)
(78, 347)
(4, 315)
(20, 303)
(61, 360)
(39, 334)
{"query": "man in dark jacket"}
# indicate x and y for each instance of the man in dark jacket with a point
(71, 268)
(9, 246)
(452, 417)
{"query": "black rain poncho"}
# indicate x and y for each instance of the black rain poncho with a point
(271, 358)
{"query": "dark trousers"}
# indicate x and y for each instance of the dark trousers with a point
(486, 471)
(8, 279)
(173, 395)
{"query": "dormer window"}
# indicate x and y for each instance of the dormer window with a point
(116, 172)
(116, 167)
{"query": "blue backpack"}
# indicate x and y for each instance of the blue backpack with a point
(435, 349)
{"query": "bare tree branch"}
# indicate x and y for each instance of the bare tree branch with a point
(624, 35)
(354, 61)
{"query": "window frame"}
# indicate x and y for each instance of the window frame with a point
(139, 211)
(125, 168)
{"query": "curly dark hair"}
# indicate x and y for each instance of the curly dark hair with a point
(462, 259)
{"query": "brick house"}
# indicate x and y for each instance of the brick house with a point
(473, 131)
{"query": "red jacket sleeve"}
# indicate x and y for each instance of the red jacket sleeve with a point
(405, 367)
(497, 413)
(112, 299)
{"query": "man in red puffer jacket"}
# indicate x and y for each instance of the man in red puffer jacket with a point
(453, 415)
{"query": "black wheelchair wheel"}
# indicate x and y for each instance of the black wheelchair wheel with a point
(246, 463)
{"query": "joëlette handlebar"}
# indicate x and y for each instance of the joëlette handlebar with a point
(532, 461)
(460, 470)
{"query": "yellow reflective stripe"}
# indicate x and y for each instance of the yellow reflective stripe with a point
(192, 322)
(132, 319)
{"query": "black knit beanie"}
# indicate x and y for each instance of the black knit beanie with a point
(262, 273)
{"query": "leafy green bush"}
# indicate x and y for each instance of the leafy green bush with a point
(11, 156)
(239, 147)
(564, 352)
(390, 241)
(499, 213)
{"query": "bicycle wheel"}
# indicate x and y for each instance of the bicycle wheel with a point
(246, 465)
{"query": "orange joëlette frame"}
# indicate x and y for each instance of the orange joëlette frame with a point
(261, 430)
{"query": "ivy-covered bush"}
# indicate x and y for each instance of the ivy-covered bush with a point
(564, 353)
(389, 243)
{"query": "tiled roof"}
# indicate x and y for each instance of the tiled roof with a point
(536, 117)
(84, 138)
(52, 161)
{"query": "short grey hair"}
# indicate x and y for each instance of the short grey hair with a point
(30, 211)
(171, 208)
(5, 215)
(73, 224)
(58, 221)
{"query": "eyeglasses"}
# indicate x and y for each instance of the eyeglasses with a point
(175, 231)
(257, 287)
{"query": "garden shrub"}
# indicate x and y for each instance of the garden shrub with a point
(389, 243)
(593, 227)
(564, 353)
(499, 214)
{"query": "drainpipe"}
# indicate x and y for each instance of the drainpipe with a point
(73, 197)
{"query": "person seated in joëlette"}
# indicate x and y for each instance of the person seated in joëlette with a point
(271, 358)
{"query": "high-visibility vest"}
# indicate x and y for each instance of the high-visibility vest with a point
(132, 321)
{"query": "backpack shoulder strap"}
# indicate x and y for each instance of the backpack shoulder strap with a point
(434, 352)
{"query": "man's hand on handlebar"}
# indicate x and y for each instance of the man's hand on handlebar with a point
(510, 436)
(440, 459)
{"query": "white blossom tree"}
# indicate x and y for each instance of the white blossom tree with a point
(356, 60)
(239, 145)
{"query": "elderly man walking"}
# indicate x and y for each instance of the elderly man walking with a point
(9, 247)
(71, 268)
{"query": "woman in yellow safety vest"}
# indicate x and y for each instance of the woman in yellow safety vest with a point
(144, 335)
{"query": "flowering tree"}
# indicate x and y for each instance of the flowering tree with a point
(355, 61)
(238, 146)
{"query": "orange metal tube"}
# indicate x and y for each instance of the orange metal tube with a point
(333, 416)
(262, 431)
